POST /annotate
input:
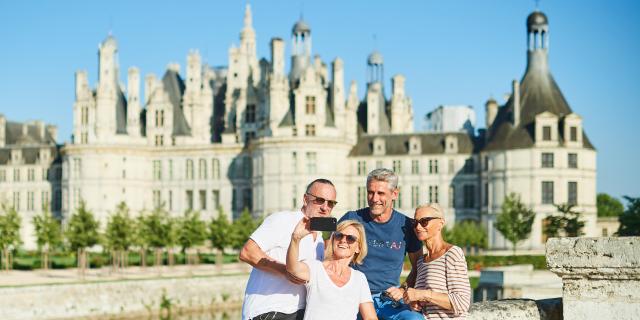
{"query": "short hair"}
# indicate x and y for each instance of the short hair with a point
(321, 180)
(362, 241)
(384, 175)
(439, 212)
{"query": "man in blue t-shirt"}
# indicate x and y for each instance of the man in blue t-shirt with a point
(389, 237)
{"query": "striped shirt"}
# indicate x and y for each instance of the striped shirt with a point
(446, 274)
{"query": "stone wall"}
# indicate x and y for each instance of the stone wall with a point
(119, 298)
(601, 276)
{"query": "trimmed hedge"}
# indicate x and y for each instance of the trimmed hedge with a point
(479, 262)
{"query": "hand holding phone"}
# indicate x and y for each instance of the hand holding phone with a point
(323, 224)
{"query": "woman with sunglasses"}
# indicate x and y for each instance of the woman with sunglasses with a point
(442, 288)
(334, 290)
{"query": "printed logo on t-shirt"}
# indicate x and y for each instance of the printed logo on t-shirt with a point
(394, 245)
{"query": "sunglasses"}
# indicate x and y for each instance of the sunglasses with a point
(423, 221)
(320, 201)
(337, 236)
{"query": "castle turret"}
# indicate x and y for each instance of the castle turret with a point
(108, 90)
(300, 49)
(133, 102)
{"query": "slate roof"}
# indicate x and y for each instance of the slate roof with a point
(539, 93)
(175, 87)
(29, 154)
(431, 143)
(14, 134)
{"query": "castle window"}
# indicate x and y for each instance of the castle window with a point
(415, 167)
(250, 114)
(362, 197)
(16, 200)
(572, 193)
(44, 200)
(397, 166)
(202, 169)
(362, 168)
(294, 196)
(546, 133)
(485, 197)
(547, 160)
(415, 196)
(311, 162)
(203, 200)
(31, 174)
(469, 196)
(16, 174)
(573, 134)
(294, 161)
(170, 169)
(84, 115)
(294, 131)
(3, 175)
(433, 166)
(159, 140)
(247, 199)
(310, 130)
(30, 201)
(310, 104)
(433, 194)
(189, 170)
(159, 118)
(572, 160)
(157, 170)
(398, 202)
(547, 192)
(84, 138)
(452, 197)
(189, 199)
(215, 198)
(157, 200)
(215, 169)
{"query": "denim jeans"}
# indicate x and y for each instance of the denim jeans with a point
(274, 315)
(388, 309)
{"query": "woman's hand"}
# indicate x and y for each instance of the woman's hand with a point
(415, 306)
(302, 229)
(413, 295)
(395, 293)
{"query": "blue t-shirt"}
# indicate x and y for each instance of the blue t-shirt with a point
(387, 245)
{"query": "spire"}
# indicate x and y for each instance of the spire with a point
(537, 41)
(248, 19)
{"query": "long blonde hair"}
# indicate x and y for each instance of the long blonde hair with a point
(358, 257)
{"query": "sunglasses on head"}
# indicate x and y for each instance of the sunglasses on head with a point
(320, 201)
(339, 235)
(423, 221)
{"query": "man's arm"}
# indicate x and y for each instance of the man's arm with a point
(253, 255)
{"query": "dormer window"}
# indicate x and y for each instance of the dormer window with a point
(573, 134)
(546, 133)
(310, 105)
(250, 115)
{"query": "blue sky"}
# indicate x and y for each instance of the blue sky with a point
(451, 52)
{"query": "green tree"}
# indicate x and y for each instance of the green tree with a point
(191, 232)
(119, 235)
(608, 206)
(515, 220)
(9, 234)
(468, 235)
(159, 231)
(82, 233)
(220, 235)
(572, 225)
(140, 238)
(630, 219)
(553, 226)
(242, 228)
(48, 234)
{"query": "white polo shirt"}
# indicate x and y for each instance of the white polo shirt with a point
(269, 292)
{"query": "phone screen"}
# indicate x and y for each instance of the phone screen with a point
(323, 224)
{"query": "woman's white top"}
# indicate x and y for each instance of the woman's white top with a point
(325, 300)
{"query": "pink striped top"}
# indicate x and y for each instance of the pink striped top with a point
(446, 274)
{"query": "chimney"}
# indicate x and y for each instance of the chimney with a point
(53, 132)
(277, 56)
(149, 86)
(516, 102)
(491, 110)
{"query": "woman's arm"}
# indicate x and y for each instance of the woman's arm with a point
(367, 311)
(295, 267)
(458, 297)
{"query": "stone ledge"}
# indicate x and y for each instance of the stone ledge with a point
(594, 258)
(546, 309)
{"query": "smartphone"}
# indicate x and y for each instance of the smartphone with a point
(323, 224)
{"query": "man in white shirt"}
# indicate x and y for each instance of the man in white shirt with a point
(271, 292)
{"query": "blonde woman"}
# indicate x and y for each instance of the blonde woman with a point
(442, 288)
(334, 289)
